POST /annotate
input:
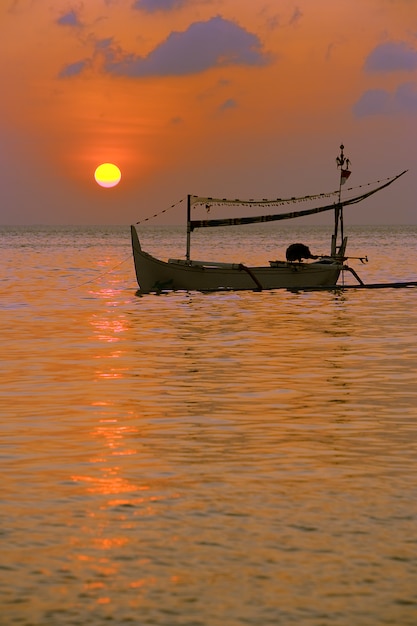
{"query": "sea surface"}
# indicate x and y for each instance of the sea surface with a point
(190, 459)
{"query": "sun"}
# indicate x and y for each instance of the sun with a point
(107, 175)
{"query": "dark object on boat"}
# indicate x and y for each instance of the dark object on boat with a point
(299, 251)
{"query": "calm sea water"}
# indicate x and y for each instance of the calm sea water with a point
(205, 459)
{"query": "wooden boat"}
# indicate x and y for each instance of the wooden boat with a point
(155, 275)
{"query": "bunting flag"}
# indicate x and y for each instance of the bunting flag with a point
(344, 175)
(208, 202)
(237, 221)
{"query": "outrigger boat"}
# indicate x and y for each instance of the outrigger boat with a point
(155, 276)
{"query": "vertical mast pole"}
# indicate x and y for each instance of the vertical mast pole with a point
(187, 253)
(341, 160)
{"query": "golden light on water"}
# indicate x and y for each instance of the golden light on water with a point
(107, 175)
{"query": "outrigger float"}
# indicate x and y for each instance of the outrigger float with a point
(156, 276)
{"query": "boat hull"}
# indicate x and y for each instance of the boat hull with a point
(154, 275)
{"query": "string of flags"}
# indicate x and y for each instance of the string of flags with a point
(151, 217)
(208, 201)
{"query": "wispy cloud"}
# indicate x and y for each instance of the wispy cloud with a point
(228, 104)
(73, 69)
(392, 57)
(383, 102)
(153, 6)
(282, 19)
(69, 19)
(295, 17)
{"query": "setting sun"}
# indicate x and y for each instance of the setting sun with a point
(107, 175)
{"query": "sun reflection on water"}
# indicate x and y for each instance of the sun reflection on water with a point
(108, 329)
(113, 436)
(120, 498)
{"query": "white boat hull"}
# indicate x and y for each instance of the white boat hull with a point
(154, 275)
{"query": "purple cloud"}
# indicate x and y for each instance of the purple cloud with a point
(152, 6)
(372, 102)
(73, 69)
(228, 104)
(69, 19)
(382, 102)
(391, 57)
(406, 97)
(215, 43)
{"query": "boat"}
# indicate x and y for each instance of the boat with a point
(299, 271)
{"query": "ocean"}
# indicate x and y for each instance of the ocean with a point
(191, 459)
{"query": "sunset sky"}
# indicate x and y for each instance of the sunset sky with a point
(241, 98)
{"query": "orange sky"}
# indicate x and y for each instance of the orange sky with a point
(211, 97)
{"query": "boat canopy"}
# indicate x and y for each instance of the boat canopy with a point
(237, 221)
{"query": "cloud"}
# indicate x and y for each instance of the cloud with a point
(105, 45)
(215, 43)
(406, 97)
(372, 102)
(228, 104)
(69, 19)
(73, 69)
(391, 57)
(295, 17)
(382, 102)
(152, 6)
